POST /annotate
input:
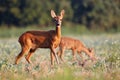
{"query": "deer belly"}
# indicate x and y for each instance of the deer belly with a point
(44, 45)
(41, 43)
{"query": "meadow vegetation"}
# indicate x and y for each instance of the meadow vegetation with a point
(14, 32)
(107, 66)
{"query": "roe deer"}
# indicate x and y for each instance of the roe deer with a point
(75, 46)
(31, 40)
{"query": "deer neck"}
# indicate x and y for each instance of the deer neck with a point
(58, 31)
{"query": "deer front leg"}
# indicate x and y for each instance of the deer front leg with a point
(73, 53)
(59, 52)
(81, 56)
(56, 57)
(62, 54)
(52, 58)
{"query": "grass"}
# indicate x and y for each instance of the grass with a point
(107, 67)
(13, 32)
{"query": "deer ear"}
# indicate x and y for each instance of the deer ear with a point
(62, 13)
(53, 14)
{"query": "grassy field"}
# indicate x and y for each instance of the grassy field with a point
(15, 32)
(107, 66)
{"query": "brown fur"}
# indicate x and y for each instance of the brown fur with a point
(31, 40)
(74, 45)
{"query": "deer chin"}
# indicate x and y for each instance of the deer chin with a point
(58, 25)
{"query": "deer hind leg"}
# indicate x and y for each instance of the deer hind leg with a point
(24, 51)
(29, 55)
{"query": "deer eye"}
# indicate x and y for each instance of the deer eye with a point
(54, 20)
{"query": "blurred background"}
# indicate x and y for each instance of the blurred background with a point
(81, 16)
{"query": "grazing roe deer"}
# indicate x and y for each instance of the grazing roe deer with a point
(31, 40)
(76, 46)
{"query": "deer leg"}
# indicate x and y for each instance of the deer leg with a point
(62, 54)
(52, 58)
(73, 53)
(23, 51)
(59, 52)
(29, 55)
(56, 57)
(81, 56)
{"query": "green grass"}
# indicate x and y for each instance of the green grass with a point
(15, 32)
(107, 67)
(12, 32)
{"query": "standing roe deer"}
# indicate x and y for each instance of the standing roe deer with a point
(75, 46)
(31, 40)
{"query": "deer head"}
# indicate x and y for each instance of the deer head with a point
(92, 54)
(57, 19)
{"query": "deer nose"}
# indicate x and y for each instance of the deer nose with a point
(58, 23)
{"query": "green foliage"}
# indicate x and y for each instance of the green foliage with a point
(94, 14)
(97, 14)
(15, 32)
(27, 12)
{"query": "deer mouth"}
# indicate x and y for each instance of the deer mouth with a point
(58, 24)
